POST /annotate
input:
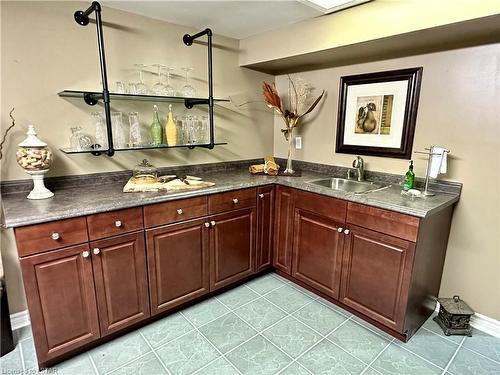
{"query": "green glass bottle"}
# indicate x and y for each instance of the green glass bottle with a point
(156, 128)
(409, 178)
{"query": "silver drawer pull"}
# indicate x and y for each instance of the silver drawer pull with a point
(235, 200)
(212, 223)
(179, 211)
(85, 254)
(261, 195)
(118, 223)
(55, 236)
(96, 250)
(340, 230)
(207, 224)
(347, 231)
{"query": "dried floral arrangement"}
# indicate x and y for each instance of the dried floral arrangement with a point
(298, 94)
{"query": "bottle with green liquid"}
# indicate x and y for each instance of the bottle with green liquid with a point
(156, 128)
(409, 180)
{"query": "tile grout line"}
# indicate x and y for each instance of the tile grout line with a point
(92, 363)
(376, 357)
(210, 342)
(155, 354)
(437, 334)
(418, 355)
(479, 354)
(23, 365)
(126, 363)
(452, 357)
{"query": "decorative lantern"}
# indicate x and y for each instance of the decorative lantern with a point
(454, 316)
(35, 158)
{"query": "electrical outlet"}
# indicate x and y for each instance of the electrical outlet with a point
(298, 143)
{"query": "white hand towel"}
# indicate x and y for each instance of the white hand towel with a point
(439, 161)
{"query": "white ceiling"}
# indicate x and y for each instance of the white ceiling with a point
(236, 19)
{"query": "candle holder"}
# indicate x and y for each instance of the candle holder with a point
(35, 158)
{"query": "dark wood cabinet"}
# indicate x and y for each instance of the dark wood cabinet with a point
(265, 224)
(382, 265)
(376, 275)
(317, 252)
(61, 298)
(178, 261)
(120, 276)
(232, 247)
(283, 229)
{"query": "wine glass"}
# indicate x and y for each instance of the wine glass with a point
(140, 86)
(187, 89)
(169, 89)
(159, 88)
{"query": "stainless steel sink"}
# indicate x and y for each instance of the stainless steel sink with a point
(350, 186)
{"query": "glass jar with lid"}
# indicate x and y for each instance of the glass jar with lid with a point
(145, 173)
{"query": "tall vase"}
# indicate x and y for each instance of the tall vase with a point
(289, 169)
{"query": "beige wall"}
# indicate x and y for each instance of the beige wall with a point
(458, 109)
(355, 25)
(44, 51)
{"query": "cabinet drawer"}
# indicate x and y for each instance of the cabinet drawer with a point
(37, 238)
(326, 206)
(384, 221)
(170, 212)
(113, 223)
(232, 200)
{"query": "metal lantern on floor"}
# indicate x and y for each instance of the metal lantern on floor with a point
(454, 316)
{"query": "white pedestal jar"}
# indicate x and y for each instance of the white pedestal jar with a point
(35, 158)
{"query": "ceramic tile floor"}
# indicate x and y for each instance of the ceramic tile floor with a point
(270, 326)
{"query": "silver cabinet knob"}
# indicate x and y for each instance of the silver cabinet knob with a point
(179, 211)
(340, 230)
(235, 200)
(347, 231)
(212, 223)
(207, 225)
(118, 223)
(85, 254)
(96, 250)
(55, 236)
(261, 195)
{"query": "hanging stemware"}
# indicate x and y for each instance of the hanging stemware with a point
(169, 89)
(140, 86)
(159, 88)
(188, 90)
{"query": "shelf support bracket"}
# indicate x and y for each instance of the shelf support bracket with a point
(82, 18)
(189, 103)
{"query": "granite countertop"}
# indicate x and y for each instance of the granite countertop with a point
(89, 199)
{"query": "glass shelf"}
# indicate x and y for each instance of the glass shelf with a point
(148, 98)
(68, 150)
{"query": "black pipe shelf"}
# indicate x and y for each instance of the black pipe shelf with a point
(68, 150)
(81, 94)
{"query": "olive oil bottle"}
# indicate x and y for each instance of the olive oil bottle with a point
(409, 180)
(170, 128)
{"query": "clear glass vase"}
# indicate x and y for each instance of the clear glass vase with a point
(289, 169)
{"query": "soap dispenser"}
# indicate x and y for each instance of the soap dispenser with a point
(409, 179)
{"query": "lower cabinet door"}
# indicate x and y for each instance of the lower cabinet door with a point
(283, 228)
(121, 281)
(265, 223)
(376, 275)
(317, 252)
(233, 247)
(178, 261)
(61, 300)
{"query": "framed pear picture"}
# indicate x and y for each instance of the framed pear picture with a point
(377, 113)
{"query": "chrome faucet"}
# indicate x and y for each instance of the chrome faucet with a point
(359, 164)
